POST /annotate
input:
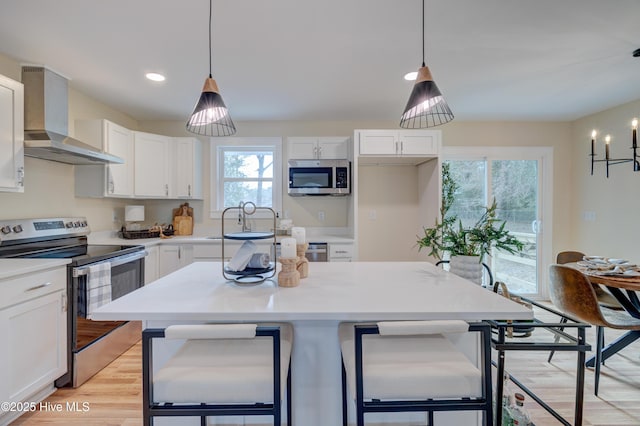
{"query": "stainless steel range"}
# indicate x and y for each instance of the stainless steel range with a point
(96, 275)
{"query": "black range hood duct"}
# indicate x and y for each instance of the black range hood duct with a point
(46, 121)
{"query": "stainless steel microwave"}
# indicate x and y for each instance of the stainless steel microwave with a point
(319, 177)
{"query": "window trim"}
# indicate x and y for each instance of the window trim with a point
(215, 180)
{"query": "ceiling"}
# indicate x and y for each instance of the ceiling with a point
(336, 59)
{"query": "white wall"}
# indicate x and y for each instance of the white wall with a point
(615, 232)
(49, 185)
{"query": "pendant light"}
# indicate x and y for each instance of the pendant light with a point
(210, 116)
(426, 106)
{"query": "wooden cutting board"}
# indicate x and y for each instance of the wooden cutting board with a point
(183, 225)
(183, 220)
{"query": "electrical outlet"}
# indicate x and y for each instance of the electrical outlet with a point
(321, 216)
(115, 215)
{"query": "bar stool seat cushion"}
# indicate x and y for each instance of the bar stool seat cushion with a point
(410, 367)
(223, 371)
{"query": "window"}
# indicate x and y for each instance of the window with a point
(246, 169)
(520, 179)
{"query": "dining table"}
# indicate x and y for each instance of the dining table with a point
(623, 287)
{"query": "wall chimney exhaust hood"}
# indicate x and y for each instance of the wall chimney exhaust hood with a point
(46, 121)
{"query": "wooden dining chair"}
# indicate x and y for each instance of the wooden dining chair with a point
(572, 293)
(605, 299)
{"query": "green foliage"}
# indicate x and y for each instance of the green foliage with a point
(449, 235)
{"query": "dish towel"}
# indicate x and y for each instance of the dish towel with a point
(241, 259)
(259, 260)
(98, 286)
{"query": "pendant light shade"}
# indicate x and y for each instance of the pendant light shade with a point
(210, 116)
(426, 106)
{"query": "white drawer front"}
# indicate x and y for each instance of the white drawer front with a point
(18, 289)
(340, 250)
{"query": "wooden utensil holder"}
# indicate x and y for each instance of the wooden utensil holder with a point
(289, 275)
(303, 262)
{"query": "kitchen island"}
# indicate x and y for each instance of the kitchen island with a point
(333, 292)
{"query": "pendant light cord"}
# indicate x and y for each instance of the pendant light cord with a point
(423, 64)
(211, 7)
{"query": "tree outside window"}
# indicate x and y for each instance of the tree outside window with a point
(247, 170)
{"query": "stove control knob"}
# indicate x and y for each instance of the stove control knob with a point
(69, 224)
(84, 223)
(17, 229)
(5, 229)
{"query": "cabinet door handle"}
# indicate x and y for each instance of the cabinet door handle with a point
(180, 252)
(166, 189)
(396, 147)
(64, 303)
(111, 186)
(20, 176)
(189, 190)
(401, 147)
(37, 287)
(319, 152)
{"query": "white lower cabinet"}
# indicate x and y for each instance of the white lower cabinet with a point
(341, 252)
(33, 332)
(174, 257)
(152, 264)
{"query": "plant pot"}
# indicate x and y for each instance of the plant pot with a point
(468, 267)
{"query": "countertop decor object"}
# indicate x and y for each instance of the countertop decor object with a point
(303, 263)
(183, 220)
(426, 106)
(237, 217)
(288, 275)
(210, 116)
(133, 214)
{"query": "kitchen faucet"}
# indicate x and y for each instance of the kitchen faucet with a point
(245, 209)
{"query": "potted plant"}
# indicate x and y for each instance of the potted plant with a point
(466, 244)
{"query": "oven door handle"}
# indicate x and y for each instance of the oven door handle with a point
(116, 261)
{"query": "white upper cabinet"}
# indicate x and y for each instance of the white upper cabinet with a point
(151, 159)
(11, 135)
(325, 147)
(399, 142)
(110, 180)
(187, 168)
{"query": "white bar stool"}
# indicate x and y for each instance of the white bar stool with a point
(405, 366)
(220, 370)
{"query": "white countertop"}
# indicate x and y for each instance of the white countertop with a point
(356, 291)
(13, 267)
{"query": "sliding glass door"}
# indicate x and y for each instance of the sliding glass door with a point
(520, 181)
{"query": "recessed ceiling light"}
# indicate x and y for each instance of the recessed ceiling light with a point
(411, 76)
(154, 76)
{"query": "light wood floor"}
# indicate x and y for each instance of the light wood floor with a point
(114, 395)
